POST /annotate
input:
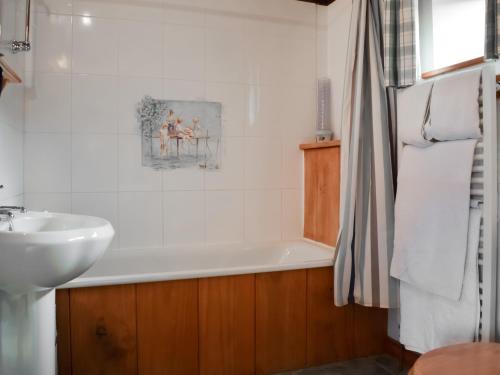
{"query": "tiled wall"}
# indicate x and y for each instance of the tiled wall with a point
(338, 19)
(92, 62)
(11, 113)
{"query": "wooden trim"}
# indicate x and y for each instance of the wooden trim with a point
(452, 68)
(309, 146)
(319, 2)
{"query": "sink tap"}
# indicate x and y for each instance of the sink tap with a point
(8, 216)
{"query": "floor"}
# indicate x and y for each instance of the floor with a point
(380, 365)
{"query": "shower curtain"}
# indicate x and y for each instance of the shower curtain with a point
(365, 244)
(492, 45)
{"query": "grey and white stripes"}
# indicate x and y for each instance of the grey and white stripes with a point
(400, 56)
(365, 245)
(492, 39)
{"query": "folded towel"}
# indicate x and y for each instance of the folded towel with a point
(413, 105)
(432, 216)
(454, 109)
(429, 321)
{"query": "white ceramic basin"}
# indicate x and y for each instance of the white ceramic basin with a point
(45, 250)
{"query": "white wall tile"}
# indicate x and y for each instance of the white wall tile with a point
(263, 215)
(140, 49)
(224, 216)
(47, 163)
(53, 6)
(183, 90)
(292, 215)
(183, 53)
(226, 56)
(140, 219)
(183, 179)
(132, 176)
(48, 103)
(293, 162)
(184, 217)
(95, 45)
(263, 163)
(12, 107)
(231, 174)
(236, 106)
(52, 43)
(143, 10)
(184, 14)
(264, 111)
(103, 205)
(94, 163)
(258, 58)
(11, 161)
(53, 202)
(94, 104)
(130, 92)
(298, 111)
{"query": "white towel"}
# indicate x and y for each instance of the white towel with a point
(429, 321)
(454, 109)
(432, 216)
(412, 107)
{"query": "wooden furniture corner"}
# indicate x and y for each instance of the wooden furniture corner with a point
(321, 191)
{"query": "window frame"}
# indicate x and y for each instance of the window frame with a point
(424, 7)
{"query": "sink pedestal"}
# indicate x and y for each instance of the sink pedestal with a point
(28, 333)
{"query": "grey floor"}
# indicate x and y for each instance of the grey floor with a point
(380, 365)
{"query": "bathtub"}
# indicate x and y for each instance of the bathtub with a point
(151, 265)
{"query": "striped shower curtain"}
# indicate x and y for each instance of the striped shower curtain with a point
(365, 244)
(492, 39)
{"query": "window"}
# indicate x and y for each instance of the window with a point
(450, 31)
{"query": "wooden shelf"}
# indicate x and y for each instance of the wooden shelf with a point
(308, 146)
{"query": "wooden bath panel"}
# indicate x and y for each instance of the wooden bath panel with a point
(167, 328)
(103, 330)
(245, 324)
(227, 325)
(281, 321)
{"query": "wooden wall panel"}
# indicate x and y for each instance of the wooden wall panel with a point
(103, 330)
(227, 325)
(63, 332)
(329, 328)
(281, 321)
(167, 328)
(322, 194)
(370, 330)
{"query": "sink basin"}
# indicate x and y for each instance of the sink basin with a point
(45, 250)
(38, 252)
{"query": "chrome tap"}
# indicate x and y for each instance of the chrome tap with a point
(8, 216)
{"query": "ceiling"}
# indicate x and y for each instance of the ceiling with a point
(320, 2)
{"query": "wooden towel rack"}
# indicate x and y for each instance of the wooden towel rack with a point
(9, 75)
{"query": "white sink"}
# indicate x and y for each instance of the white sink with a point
(38, 252)
(46, 250)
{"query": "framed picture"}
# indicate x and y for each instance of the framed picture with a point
(180, 134)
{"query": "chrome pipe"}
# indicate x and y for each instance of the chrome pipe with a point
(24, 45)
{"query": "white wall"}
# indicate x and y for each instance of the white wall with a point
(339, 16)
(92, 62)
(11, 112)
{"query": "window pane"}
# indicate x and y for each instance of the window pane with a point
(451, 31)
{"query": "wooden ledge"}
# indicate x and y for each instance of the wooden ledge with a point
(309, 146)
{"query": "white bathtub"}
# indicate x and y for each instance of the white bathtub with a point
(139, 266)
